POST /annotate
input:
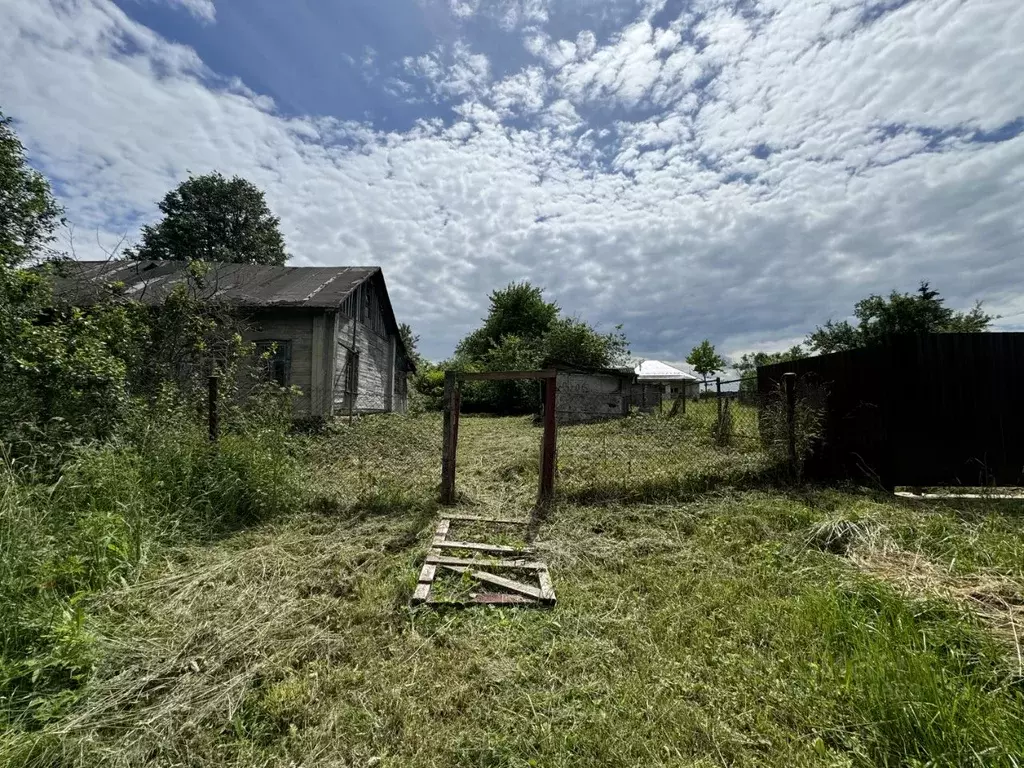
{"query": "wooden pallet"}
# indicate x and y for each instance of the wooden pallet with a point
(491, 571)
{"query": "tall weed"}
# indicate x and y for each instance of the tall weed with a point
(157, 483)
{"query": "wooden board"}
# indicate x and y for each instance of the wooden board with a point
(422, 593)
(523, 594)
(442, 531)
(485, 598)
(498, 549)
(479, 519)
(498, 581)
(523, 565)
(547, 590)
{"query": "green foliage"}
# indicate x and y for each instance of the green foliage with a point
(113, 508)
(574, 342)
(878, 316)
(427, 390)
(517, 310)
(411, 342)
(29, 215)
(104, 456)
(705, 360)
(211, 218)
(751, 361)
(524, 332)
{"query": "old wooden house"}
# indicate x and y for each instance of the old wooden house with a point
(329, 331)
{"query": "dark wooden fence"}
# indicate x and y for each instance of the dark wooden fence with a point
(928, 410)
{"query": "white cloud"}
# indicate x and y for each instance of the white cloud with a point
(521, 93)
(463, 9)
(451, 71)
(203, 10)
(764, 171)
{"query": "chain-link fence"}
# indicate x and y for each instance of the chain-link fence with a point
(612, 445)
(629, 445)
(375, 460)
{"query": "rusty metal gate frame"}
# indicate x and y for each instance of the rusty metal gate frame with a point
(452, 407)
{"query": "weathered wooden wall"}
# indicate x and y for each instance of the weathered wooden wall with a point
(934, 409)
(296, 327)
(362, 334)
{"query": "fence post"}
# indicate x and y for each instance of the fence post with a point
(549, 442)
(789, 382)
(449, 437)
(213, 416)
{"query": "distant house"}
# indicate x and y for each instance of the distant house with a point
(673, 381)
(330, 331)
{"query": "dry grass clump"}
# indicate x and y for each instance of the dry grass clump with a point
(990, 593)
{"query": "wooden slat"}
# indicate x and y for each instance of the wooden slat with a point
(428, 573)
(485, 598)
(422, 594)
(442, 531)
(547, 589)
(478, 519)
(498, 549)
(525, 565)
(506, 375)
(499, 581)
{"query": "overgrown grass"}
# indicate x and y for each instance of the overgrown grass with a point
(100, 523)
(715, 627)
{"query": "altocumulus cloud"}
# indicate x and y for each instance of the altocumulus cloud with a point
(740, 171)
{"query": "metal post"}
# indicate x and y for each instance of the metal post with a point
(212, 413)
(718, 397)
(549, 442)
(789, 382)
(449, 437)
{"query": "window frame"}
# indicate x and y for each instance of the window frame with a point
(280, 360)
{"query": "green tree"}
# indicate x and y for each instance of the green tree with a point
(705, 360)
(516, 310)
(524, 331)
(878, 316)
(751, 361)
(573, 342)
(411, 342)
(211, 218)
(29, 215)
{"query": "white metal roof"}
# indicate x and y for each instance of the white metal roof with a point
(655, 370)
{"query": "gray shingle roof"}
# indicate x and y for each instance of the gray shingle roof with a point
(246, 285)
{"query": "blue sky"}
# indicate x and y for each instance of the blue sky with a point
(740, 170)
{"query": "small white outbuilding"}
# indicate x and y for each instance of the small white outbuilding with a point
(676, 382)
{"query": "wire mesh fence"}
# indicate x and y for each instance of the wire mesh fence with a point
(611, 445)
(616, 445)
(376, 459)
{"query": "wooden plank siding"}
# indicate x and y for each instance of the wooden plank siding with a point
(362, 339)
(295, 327)
(324, 346)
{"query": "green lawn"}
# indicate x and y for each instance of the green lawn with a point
(704, 618)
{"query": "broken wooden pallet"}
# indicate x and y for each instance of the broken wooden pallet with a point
(491, 571)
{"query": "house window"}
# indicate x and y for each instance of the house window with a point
(276, 359)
